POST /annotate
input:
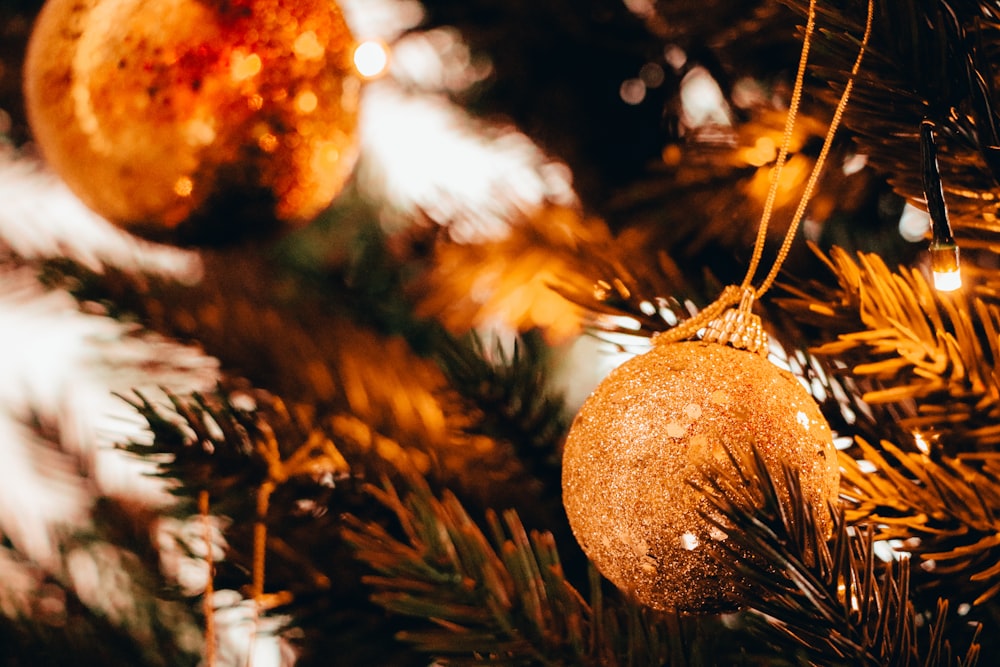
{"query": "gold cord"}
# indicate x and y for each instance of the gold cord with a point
(207, 601)
(745, 293)
(818, 167)
(260, 540)
(786, 143)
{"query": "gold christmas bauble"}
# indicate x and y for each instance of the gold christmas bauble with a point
(651, 427)
(186, 119)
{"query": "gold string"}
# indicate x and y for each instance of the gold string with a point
(732, 294)
(818, 167)
(786, 142)
(260, 540)
(207, 602)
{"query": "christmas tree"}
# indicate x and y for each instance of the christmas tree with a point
(297, 385)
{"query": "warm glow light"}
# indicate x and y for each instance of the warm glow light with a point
(854, 163)
(914, 224)
(267, 142)
(946, 266)
(632, 91)
(422, 153)
(947, 281)
(793, 175)
(652, 75)
(199, 132)
(244, 66)
(622, 322)
(371, 58)
(307, 46)
(689, 541)
(671, 155)
(675, 57)
(326, 156)
(763, 151)
(183, 186)
(702, 100)
(921, 443)
(306, 101)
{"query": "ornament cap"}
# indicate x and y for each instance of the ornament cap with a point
(739, 327)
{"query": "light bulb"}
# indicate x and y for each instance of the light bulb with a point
(945, 266)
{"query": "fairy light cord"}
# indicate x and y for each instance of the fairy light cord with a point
(745, 293)
(933, 188)
(944, 252)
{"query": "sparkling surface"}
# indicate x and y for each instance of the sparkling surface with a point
(647, 429)
(155, 113)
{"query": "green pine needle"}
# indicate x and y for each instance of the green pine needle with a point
(830, 601)
(499, 595)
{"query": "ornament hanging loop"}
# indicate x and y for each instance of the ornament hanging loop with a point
(739, 327)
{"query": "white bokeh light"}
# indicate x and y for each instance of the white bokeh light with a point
(371, 58)
(914, 224)
(423, 152)
(702, 100)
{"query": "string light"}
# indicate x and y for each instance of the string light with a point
(944, 252)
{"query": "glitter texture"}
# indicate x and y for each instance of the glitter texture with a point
(647, 430)
(166, 114)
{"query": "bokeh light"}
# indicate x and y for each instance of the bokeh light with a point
(371, 58)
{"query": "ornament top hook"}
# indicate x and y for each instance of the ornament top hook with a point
(721, 323)
(739, 327)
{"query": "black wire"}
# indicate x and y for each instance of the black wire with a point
(933, 190)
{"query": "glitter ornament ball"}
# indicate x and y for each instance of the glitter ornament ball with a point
(192, 121)
(647, 431)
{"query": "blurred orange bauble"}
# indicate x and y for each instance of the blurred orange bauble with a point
(195, 121)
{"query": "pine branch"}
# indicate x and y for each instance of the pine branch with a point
(829, 602)
(219, 442)
(951, 505)
(499, 595)
(49, 626)
(231, 444)
(924, 60)
(511, 395)
(930, 355)
(632, 290)
(505, 279)
(263, 324)
(208, 443)
(100, 598)
(282, 335)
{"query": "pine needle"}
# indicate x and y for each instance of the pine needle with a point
(928, 355)
(499, 595)
(949, 503)
(924, 60)
(512, 399)
(830, 601)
